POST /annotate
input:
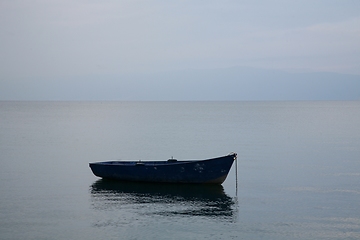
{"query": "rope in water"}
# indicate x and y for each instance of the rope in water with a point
(236, 176)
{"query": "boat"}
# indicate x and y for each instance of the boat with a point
(208, 171)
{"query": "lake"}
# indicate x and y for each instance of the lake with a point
(298, 170)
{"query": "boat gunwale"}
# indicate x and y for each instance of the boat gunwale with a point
(156, 162)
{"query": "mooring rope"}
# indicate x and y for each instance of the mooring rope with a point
(236, 176)
(236, 173)
(236, 200)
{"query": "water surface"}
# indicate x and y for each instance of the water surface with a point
(298, 170)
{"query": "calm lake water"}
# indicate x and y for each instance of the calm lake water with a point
(298, 170)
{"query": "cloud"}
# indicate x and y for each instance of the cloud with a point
(68, 38)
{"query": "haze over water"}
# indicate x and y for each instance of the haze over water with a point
(298, 170)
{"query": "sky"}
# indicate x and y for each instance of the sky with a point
(51, 40)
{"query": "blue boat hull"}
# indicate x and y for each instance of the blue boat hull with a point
(212, 171)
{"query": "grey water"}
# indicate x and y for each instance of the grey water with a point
(298, 170)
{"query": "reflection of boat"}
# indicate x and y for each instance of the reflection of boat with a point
(213, 170)
(163, 199)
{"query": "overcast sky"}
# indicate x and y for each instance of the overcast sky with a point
(55, 38)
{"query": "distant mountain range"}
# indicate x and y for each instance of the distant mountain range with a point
(259, 84)
(231, 84)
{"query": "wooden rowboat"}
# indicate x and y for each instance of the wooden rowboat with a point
(210, 171)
